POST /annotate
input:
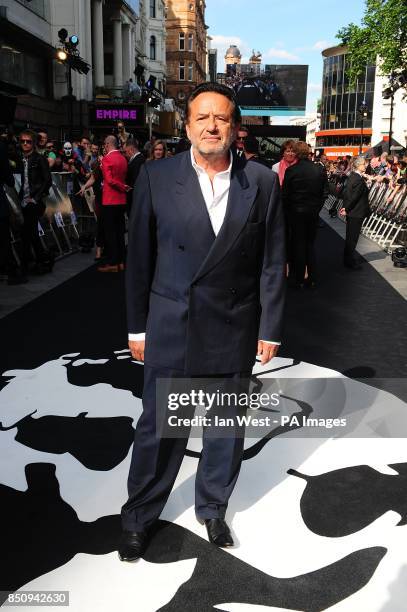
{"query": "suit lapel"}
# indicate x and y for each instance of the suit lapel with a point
(240, 200)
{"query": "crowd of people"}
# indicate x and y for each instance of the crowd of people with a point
(111, 169)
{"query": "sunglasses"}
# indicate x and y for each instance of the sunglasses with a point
(24, 141)
(241, 138)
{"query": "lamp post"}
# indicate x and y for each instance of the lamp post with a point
(363, 112)
(69, 55)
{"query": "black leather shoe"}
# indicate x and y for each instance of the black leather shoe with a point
(218, 532)
(132, 545)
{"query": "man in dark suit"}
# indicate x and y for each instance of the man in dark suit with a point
(305, 189)
(356, 208)
(205, 282)
(136, 160)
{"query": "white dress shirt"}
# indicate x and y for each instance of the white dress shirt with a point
(215, 194)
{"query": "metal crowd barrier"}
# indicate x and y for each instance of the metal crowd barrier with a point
(387, 222)
(66, 218)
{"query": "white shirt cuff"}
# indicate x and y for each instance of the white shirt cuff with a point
(137, 337)
(142, 336)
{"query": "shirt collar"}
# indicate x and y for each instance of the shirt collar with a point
(199, 170)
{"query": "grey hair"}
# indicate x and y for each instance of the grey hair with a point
(358, 161)
(112, 140)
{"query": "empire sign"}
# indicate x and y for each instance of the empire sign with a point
(109, 114)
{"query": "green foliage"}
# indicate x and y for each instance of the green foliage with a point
(383, 33)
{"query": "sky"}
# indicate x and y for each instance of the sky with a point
(284, 31)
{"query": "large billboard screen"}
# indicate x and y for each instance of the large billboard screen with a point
(268, 89)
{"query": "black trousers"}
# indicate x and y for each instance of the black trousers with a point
(113, 228)
(156, 460)
(353, 227)
(303, 229)
(32, 213)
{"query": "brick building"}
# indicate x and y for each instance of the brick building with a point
(186, 47)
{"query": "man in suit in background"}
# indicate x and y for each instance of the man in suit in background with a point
(205, 293)
(356, 208)
(305, 189)
(135, 160)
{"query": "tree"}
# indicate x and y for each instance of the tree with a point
(383, 33)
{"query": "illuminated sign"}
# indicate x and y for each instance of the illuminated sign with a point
(109, 114)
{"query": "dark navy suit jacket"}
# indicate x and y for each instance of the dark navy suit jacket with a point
(202, 300)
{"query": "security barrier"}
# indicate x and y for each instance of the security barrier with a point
(387, 222)
(66, 218)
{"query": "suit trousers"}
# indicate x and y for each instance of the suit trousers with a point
(156, 461)
(304, 226)
(114, 227)
(32, 213)
(353, 227)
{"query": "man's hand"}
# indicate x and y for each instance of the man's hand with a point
(267, 351)
(342, 212)
(137, 349)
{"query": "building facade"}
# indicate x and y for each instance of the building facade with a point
(150, 43)
(341, 130)
(186, 47)
(312, 122)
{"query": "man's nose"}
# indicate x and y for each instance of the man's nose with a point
(211, 126)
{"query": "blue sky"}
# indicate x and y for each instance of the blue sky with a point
(284, 31)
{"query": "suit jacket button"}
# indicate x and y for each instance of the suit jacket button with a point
(243, 253)
(232, 290)
(228, 321)
(181, 247)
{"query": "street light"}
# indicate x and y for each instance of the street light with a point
(69, 55)
(396, 80)
(363, 112)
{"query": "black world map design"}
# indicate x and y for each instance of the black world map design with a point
(43, 532)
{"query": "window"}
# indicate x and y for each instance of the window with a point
(190, 42)
(190, 71)
(152, 8)
(182, 71)
(181, 41)
(152, 48)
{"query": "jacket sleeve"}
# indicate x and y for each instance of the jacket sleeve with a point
(141, 255)
(110, 180)
(46, 179)
(272, 280)
(354, 191)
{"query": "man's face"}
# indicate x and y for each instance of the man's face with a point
(120, 127)
(42, 139)
(129, 152)
(85, 143)
(26, 144)
(94, 149)
(210, 126)
(239, 142)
